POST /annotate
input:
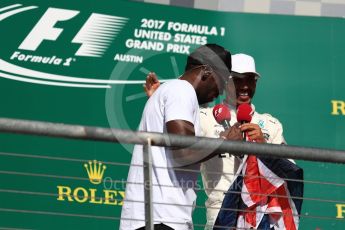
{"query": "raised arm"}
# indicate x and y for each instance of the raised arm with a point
(151, 85)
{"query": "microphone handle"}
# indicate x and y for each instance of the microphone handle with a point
(244, 138)
(226, 124)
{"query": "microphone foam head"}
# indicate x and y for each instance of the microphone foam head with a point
(244, 113)
(221, 113)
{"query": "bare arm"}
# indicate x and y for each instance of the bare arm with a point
(182, 156)
(233, 134)
(180, 127)
(186, 156)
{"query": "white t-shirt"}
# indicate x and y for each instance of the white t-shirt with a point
(218, 172)
(173, 193)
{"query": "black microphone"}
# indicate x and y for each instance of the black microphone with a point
(244, 115)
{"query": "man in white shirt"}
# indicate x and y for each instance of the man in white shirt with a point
(218, 172)
(174, 108)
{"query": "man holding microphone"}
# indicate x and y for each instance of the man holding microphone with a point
(218, 172)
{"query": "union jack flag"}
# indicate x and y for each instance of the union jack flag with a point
(266, 194)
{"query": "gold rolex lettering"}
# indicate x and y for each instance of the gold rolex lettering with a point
(95, 171)
(63, 192)
(91, 195)
(93, 198)
(110, 196)
(80, 197)
(122, 195)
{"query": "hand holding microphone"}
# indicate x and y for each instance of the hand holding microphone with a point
(222, 115)
(253, 131)
(244, 116)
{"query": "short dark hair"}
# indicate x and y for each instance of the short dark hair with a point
(212, 55)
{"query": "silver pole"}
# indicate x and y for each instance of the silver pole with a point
(158, 139)
(148, 185)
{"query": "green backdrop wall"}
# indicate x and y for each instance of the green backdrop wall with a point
(83, 62)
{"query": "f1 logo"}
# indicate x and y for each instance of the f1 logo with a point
(95, 36)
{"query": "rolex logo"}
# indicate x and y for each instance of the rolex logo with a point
(95, 171)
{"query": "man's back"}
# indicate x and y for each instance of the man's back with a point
(173, 189)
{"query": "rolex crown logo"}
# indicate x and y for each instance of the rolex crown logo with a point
(95, 171)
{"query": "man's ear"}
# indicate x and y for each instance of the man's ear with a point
(205, 73)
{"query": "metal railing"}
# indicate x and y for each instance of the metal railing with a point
(236, 148)
(158, 139)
